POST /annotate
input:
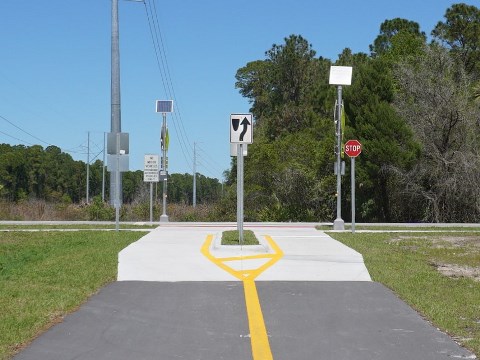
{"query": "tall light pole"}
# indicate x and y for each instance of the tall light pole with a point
(164, 107)
(339, 75)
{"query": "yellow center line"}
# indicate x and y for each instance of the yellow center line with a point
(258, 332)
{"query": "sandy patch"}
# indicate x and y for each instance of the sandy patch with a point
(459, 271)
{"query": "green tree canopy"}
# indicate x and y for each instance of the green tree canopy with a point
(281, 86)
(390, 29)
(460, 32)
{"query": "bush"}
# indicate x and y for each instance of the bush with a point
(100, 211)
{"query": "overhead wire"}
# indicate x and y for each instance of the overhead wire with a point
(13, 137)
(162, 63)
(24, 131)
(163, 52)
(183, 136)
(33, 136)
(206, 169)
(209, 164)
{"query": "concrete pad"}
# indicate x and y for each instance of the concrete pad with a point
(172, 253)
(312, 255)
(169, 254)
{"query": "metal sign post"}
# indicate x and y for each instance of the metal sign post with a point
(241, 133)
(240, 192)
(164, 216)
(353, 148)
(339, 224)
(117, 186)
(352, 159)
(150, 174)
(164, 107)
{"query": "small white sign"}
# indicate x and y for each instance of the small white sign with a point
(234, 149)
(340, 75)
(150, 170)
(241, 128)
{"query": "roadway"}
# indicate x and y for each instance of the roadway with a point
(298, 295)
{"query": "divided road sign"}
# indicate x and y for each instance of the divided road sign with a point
(241, 128)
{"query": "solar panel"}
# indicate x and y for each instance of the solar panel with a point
(164, 106)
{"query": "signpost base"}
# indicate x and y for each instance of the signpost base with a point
(339, 224)
(164, 218)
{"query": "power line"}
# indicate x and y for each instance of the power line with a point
(206, 169)
(33, 136)
(159, 47)
(212, 162)
(13, 137)
(168, 72)
(24, 131)
(162, 63)
(168, 87)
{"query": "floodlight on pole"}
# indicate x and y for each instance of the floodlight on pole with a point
(339, 75)
(164, 107)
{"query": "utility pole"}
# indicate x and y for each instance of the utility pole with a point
(194, 174)
(115, 123)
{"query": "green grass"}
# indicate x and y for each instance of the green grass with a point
(402, 227)
(406, 263)
(232, 238)
(73, 226)
(46, 275)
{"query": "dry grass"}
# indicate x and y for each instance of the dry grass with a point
(40, 210)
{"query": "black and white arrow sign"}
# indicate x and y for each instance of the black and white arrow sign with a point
(241, 128)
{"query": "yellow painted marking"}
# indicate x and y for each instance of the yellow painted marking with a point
(205, 251)
(258, 332)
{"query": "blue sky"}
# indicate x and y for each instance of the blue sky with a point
(55, 66)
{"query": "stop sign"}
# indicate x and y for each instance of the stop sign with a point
(353, 148)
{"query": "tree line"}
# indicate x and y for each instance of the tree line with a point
(49, 174)
(413, 104)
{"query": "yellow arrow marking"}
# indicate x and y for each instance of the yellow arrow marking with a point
(258, 332)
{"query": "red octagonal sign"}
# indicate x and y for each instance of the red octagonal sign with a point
(353, 148)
